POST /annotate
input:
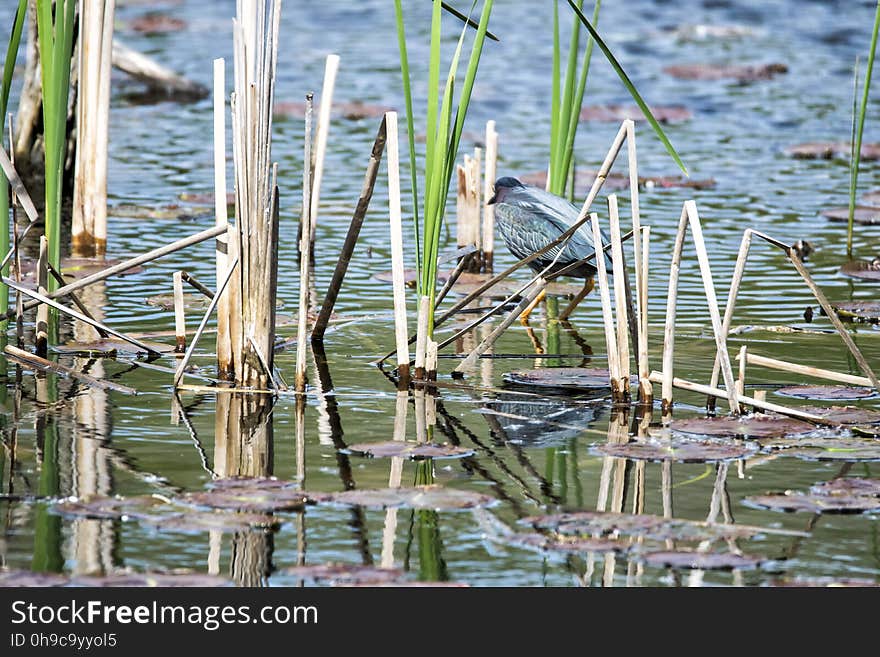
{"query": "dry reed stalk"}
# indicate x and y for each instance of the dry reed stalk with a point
(255, 37)
(19, 190)
(709, 287)
(741, 379)
(128, 264)
(394, 478)
(401, 333)
(153, 74)
(181, 367)
(44, 299)
(422, 337)
(620, 299)
(221, 220)
(646, 390)
(305, 243)
(330, 69)
(488, 227)
(786, 366)
(197, 285)
(690, 386)
(35, 362)
(354, 229)
(671, 302)
(179, 315)
(42, 331)
(607, 312)
(89, 223)
(468, 208)
(431, 359)
(760, 397)
(73, 297)
(470, 361)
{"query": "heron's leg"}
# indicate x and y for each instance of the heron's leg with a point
(524, 315)
(536, 343)
(589, 284)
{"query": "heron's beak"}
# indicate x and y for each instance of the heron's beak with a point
(491, 201)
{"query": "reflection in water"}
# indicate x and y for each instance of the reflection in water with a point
(47, 527)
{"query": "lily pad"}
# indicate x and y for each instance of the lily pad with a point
(222, 521)
(829, 150)
(352, 110)
(156, 23)
(109, 346)
(204, 198)
(648, 526)
(75, 268)
(544, 543)
(584, 178)
(848, 486)
(408, 450)
(191, 301)
(334, 574)
(845, 414)
(826, 392)
(566, 378)
(410, 277)
(420, 497)
(827, 449)
(619, 113)
(813, 503)
(685, 559)
(862, 269)
(680, 450)
(253, 483)
(755, 426)
(149, 580)
(862, 214)
(828, 582)
(740, 73)
(168, 212)
(251, 499)
(142, 507)
(858, 311)
(19, 578)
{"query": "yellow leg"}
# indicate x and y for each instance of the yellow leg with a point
(524, 315)
(589, 284)
(536, 343)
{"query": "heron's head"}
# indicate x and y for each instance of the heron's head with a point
(502, 186)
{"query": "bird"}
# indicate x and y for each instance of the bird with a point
(529, 218)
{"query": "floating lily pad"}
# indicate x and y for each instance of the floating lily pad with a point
(755, 426)
(848, 486)
(680, 450)
(544, 543)
(813, 503)
(862, 214)
(699, 560)
(204, 198)
(19, 578)
(859, 311)
(566, 378)
(826, 392)
(871, 198)
(829, 150)
(251, 499)
(353, 110)
(156, 23)
(222, 521)
(829, 582)
(170, 211)
(619, 113)
(648, 526)
(142, 507)
(419, 497)
(583, 181)
(702, 32)
(74, 268)
(410, 277)
(253, 483)
(845, 414)
(862, 269)
(150, 580)
(191, 301)
(407, 450)
(740, 73)
(109, 346)
(827, 449)
(335, 574)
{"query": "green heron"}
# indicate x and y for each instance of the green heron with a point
(529, 218)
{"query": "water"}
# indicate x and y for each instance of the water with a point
(117, 445)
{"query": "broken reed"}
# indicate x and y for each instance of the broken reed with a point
(89, 221)
(8, 69)
(255, 238)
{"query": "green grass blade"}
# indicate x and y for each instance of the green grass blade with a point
(411, 135)
(433, 93)
(554, 98)
(857, 149)
(566, 108)
(630, 87)
(467, 20)
(854, 159)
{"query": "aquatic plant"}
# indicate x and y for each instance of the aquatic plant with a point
(8, 68)
(443, 135)
(55, 29)
(858, 129)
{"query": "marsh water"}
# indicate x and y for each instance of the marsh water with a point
(535, 453)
